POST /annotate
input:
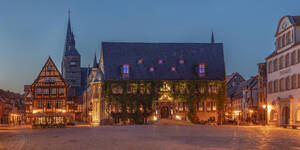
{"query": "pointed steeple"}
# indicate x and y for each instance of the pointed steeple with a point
(95, 64)
(212, 37)
(70, 49)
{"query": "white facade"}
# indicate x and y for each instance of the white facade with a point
(283, 74)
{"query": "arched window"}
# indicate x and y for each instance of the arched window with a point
(151, 69)
(293, 61)
(281, 84)
(287, 83)
(173, 68)
(273, 115)
(275, 86)
(281, 62)
(275, 64)
(140, 61)
(294, 81)
(201, 68)
(287, 60)
(125, 69)
(181, 61)
(270, 87)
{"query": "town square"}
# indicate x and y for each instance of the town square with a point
(149, 75)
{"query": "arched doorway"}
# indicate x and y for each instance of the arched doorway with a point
(285, 115)
(164, 112)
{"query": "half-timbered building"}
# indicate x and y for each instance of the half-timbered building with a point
(46, 103)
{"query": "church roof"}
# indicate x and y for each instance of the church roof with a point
(99, 76)
(115, 54)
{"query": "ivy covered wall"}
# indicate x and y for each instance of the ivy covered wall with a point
(136, 98)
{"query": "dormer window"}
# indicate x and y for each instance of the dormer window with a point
(140, 61)
(151, 69)
(181, 61)
(173, 68)
(125, 69)
(160, 61)
(201, 68)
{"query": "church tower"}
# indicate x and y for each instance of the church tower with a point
(70, 65)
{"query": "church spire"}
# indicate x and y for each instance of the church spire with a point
(95, 64)
(212, 38)
(70, 49)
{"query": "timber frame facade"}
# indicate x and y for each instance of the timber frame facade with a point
(47, 103)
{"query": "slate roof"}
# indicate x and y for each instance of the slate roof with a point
(115, 54)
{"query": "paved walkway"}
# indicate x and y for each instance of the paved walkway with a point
(150, 137)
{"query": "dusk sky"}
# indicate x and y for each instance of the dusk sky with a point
(33, 30)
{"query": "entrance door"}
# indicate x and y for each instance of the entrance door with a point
(164, 112)
(286, 115)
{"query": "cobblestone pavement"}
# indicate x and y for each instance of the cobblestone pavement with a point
(150, 137)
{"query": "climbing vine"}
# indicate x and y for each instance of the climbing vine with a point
(137, 98)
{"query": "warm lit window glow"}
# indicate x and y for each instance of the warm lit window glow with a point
(181, 61)
(173, 68)
(160, 61)
(151, 69)
(126, 69)
(201, 68)
(140, 61)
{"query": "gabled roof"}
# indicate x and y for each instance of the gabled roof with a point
(115, 54)
(44, 72)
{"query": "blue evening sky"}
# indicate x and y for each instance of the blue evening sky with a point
(32, 30)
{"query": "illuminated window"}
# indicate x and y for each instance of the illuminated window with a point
(151, 69)
(214, 106)
(140, 61)
(46, 91)
(58, 103)
(173, 68)
(201, 68)
(53, 91)
(298, 115)
(160, 61)
(208, 106)
(181, 61)
(38, 91)
(200, 106)
(40, 104)
(61, 91)
(126, 69)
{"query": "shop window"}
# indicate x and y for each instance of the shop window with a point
(208, 106)
(273, 115)
(200, 106)
(298, 115)
(214, 106)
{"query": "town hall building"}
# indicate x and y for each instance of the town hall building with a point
(142, 82)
